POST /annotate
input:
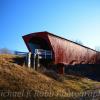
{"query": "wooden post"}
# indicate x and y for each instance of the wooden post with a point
(45, 54)
(38, 63)
(61, 68)
(34, 60)
(29, 59)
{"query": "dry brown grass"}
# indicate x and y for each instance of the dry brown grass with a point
(14, 77)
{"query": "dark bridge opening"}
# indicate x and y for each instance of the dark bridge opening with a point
(38, 43)
(40, 47)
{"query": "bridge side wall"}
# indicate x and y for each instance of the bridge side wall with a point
(68, 52)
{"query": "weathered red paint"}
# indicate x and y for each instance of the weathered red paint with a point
(65, 51)
(68, 52)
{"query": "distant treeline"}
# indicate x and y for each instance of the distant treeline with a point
(7, 51)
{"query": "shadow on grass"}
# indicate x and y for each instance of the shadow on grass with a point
(91, 71)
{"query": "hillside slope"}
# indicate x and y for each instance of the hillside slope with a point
(16, 78)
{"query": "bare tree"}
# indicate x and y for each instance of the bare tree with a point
(78, 42)
(97, 48)
(5, 51)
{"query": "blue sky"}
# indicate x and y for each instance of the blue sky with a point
(72, 19)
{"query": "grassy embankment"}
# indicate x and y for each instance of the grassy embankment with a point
(14, 77)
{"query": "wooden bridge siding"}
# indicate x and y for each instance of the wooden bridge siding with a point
(41, 35)
(70, 53)
(65, 51)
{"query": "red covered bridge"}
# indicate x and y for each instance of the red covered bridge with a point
(63, 51)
